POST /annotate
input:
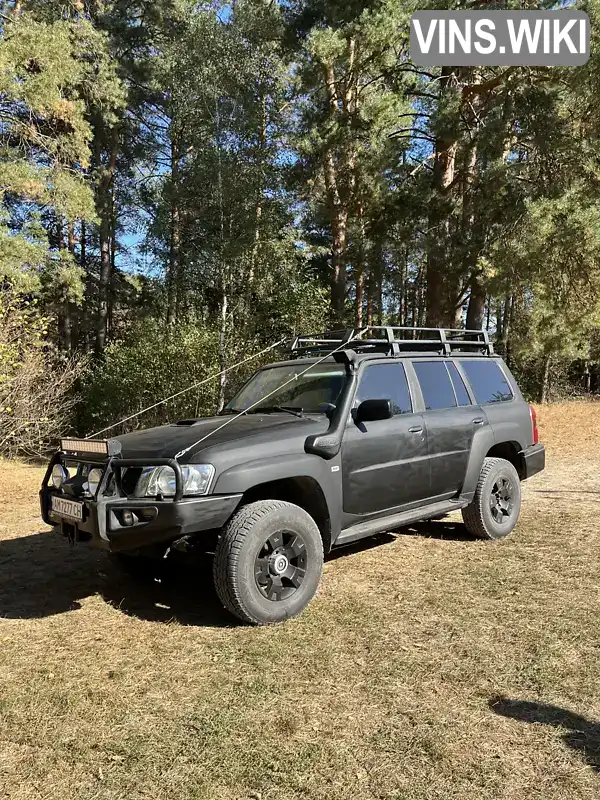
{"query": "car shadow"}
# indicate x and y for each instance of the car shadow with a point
(567, 491)
(579, 733)
(42, 575)
(439, 529)
(361, 546)
(177, 592)
(429, 529)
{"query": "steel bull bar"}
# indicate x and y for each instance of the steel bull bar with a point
(148, 521)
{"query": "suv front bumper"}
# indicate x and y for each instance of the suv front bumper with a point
(172, 519)
(157, 521)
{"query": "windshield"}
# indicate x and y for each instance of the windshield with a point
(310, 392)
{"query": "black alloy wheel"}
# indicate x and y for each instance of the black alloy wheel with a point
(501, 500)
(280, 565)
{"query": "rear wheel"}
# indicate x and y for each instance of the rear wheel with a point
(268, 562)
(494, 510)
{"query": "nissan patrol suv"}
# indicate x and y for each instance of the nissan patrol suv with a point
(358, 433)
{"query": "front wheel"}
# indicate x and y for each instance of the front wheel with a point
(268, 562)
(494, 510)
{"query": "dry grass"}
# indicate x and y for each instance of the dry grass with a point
(418, 672)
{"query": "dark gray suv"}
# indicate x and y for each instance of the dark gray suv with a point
(359, 432)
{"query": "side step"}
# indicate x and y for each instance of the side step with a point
(400, 520)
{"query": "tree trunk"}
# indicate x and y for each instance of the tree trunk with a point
(403, 292)
(587, 376)
(71, 238)
(438, 255)
(110, 294)
(414, 303)
(546, 380)
(421, 297)
(476, 307)
(222, 351)
(506, 318)
(259, 197)
(339, 228)
(84, 331)
(62, 311)
(101, 324)
(255, 246)
(224, 273)
(106, 219)
(360, 269)
(455, 316)
(68, 309)
(340, 179)
(378, 275)
(82, 247)
(371, 289)
(438, 223)
(509, 306)
(360, 297)
(173, 281)
(173, 274)
(499, 321)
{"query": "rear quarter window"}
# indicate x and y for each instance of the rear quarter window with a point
(436, 385)
(488, 382)
(462, 396)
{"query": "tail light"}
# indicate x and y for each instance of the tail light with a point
(534, 427)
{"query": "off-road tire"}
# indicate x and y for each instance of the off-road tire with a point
(478, 515)
(238, 548)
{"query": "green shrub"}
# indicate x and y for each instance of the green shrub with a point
(154, 364)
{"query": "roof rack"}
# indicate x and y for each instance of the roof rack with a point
(394, 340)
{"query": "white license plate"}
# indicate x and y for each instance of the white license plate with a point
(67, 508)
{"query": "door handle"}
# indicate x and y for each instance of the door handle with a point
(416, 429)
(479, 421)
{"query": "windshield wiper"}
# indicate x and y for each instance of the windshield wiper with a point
(297, 412)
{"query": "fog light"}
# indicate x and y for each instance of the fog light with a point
(94, 478)
(127, 518)
(59, 475)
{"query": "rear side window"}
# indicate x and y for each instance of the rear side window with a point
(385, 382)
(462, 396)
(436, 385)
(487, 381)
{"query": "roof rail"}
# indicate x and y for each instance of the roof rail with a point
(395, 340)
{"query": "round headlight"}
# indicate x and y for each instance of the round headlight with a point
(59, 475)
(94, 477)
(165, 481)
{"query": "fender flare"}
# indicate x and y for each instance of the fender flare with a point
(483, 441)
(241, 478)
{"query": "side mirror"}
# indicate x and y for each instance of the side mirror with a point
(372, 410)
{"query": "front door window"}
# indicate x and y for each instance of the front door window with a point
(385, 382)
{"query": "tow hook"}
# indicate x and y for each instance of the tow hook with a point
(183, 545)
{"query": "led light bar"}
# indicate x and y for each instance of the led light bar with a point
(80, 446)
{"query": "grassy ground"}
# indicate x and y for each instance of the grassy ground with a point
(429, 666)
